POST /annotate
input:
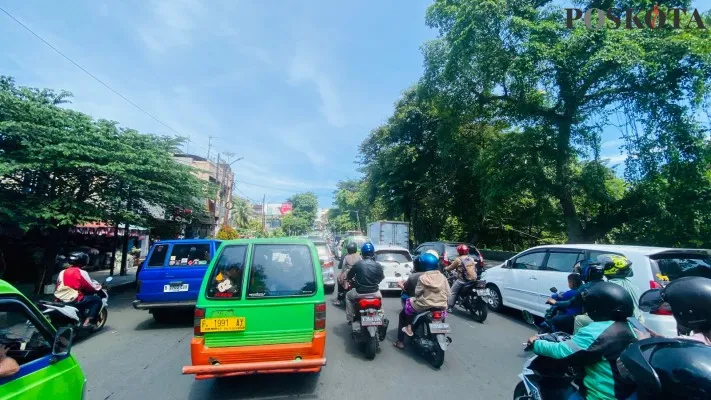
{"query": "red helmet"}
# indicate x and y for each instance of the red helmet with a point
(463, 249)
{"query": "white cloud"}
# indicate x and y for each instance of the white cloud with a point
(302, 69)
(612, 144)
(615, 158)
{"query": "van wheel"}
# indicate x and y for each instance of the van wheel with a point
(160, 316)
(497, 303)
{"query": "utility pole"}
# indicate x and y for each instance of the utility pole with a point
(209, 146)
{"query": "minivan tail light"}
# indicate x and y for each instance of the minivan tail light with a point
(199, 315)
(328, 264)
(320, 316)
(654, 285)
(481, 259)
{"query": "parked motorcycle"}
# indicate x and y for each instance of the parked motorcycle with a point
(544, 378)
(66, 315)
(369, 325)
(474, 297)
(429, 335)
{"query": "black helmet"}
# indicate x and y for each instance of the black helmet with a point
(590, 270)
(351, 247)
(79, 258)
(607, 301)
(690, 301)
(664, 368)
(416, 264)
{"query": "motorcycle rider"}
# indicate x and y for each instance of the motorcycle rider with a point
(598, 345)
(431, 291)
(75, 286)
(465, 267)
(366, 276)
(564, 321)
(592, 273)
(345, 265)
(617, 270)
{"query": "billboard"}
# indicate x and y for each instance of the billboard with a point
(278, 209)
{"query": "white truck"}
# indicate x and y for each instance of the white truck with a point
(390, 233)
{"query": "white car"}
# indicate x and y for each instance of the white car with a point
(524, 281)
(397, 266)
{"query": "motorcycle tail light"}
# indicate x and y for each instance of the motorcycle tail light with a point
(199, 315)
(437, 314)
(369, 303)
(320, 316)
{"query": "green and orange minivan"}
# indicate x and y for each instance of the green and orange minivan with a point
(261, 309)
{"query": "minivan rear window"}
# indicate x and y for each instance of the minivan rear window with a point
(451, 250)
(190, 254)
(158, 256)
(322, 250)
(226, 278)
(676, 266)
(280, 270)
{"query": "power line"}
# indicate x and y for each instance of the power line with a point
(89, 73)
(281, 189)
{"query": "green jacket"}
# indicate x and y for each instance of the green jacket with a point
(632, 290)
(596, 347)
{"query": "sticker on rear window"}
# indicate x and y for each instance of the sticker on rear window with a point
(224, 285)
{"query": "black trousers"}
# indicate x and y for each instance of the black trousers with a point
(89, 306)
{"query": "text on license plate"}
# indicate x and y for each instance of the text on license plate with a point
(176, 288)
(439, 328)
(222, 324)
(482, 292)
(371, 321)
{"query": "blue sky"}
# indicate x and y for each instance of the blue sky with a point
(293, 86)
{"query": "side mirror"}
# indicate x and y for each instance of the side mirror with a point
(651, 300)
(509, 264)
(62, 343)
(554, 289)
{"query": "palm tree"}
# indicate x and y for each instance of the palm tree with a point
(240, 212)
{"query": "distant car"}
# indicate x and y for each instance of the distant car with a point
(327, 265)
(448, 252)
(524, 281)
(171, 275)
(397, 266)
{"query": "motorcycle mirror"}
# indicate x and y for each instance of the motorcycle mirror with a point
(109, 279)
(528, 317)
(554, 289)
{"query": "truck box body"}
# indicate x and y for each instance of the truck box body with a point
(389, 233)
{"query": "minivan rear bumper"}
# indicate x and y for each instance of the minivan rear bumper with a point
(141, 305)
(222, 362)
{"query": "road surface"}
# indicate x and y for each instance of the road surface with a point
(136, 358)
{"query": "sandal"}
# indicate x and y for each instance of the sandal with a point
(408, 332)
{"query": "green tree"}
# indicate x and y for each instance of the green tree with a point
(304, 207)
(241, 211)
(560, 86)
(295, 224)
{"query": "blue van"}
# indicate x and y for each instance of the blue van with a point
(171, 275)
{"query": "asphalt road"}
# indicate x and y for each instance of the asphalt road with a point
(136, 358)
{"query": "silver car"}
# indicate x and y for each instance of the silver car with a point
(327, 264)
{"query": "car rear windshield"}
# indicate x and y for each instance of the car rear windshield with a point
(393, 256)
(158, 256)
(322, 249)
(359, 241)
(226, 277)
(451, 250)
(674, 266)
(190, 254)
(280, 270)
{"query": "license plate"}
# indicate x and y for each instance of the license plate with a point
(392, 285)
(222, 324)
(175, 288)
(482, 292)
(371, 321)
(437, 327)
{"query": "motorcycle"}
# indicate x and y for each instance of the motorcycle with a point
(474, 297)
(369, 325)
(65, 314)
(429, 335)
(547, 326)
(544, 378)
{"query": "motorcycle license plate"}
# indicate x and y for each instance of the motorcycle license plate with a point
(482, 292)
(222, 324)
(439, 327)
(175, 288)
(371, 321)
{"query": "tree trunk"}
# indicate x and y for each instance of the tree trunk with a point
(124, 249)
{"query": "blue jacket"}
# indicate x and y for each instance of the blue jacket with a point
(573, 309)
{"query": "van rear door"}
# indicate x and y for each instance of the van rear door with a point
(282, 289)
(180, 276)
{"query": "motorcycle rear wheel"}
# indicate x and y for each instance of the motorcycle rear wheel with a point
(101, 319)
(437, 357)
(479, 311)
(370, 347)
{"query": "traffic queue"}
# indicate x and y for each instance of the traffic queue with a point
(259, 306)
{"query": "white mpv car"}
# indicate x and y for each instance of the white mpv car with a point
(397, 266)
(524, 281)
